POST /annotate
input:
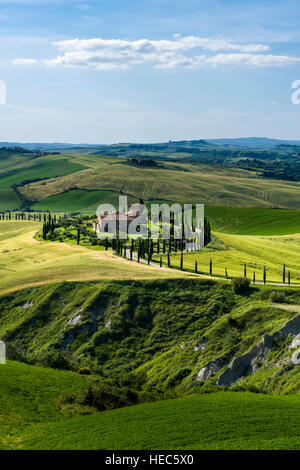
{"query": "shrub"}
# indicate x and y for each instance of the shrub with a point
(177, 378)
(277, 296)
(84, 371)
(240, 285)
(55, 360)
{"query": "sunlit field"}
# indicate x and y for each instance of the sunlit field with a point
(256, 252)
(26, 262)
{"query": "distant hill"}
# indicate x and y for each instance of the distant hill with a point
(244, 142)
(253, 142)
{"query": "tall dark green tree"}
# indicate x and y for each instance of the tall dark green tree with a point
(207, 231)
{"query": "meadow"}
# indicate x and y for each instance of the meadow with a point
(223, 421)
(29, 418)
(42, 169)
(181, 182)
(256, 251)
(77, 200)
(25, 261)
(253, 220)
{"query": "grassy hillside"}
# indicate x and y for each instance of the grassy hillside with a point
(255, 251)
(30, 419)
(253, 221)
(27, 396)
(183, 183)
(27, 262)
(77, 200)
(43, 169)
(9, 200)
(217, 421)
(154, 327)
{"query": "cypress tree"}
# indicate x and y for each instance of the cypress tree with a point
(160, 261)
(210, 266)
(164, 246)
(289, 277)
(158, 246)
(283, 274)
(181, 261)
(253, 277)
(226, 274)
(245, 269)
(265, 275)
(207, 232)
(106, 244)
(78, 236)
(196, 267)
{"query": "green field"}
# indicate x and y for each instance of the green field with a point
(77, 200)
(208, 422)
(29, 418)
(253, 221)
(8, 200)
(42, 170)
(255, 251)
(27, 262)
(183, 183)
(27, 396)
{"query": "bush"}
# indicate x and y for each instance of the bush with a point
(240, 285)
(277, 296)
(84, 371)
(55, 360)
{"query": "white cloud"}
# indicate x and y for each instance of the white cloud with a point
(25, 61)
(256, 60)
(117, 54)
(119, 105)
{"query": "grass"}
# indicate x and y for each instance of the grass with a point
(216, 421)
(255, 251)
(77, 200)
(29, 418)
(26, 262)
(253, 221)
(8, 200)
(42, 170)
(198, 184)
(27, 396)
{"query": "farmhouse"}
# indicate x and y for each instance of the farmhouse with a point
(101, 224)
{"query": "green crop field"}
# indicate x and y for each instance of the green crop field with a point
(77, 200)
(8, 200)
(25, 261)
(253, 221)
(29, 418)
(183, 183)
(218, 421)
(256, 252)
(42, 170)
(27, 396)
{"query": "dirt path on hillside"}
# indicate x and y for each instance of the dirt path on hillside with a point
(289, 307)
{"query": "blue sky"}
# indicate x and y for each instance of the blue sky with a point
(105, 71)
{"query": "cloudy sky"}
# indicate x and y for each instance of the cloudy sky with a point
(105, 71)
